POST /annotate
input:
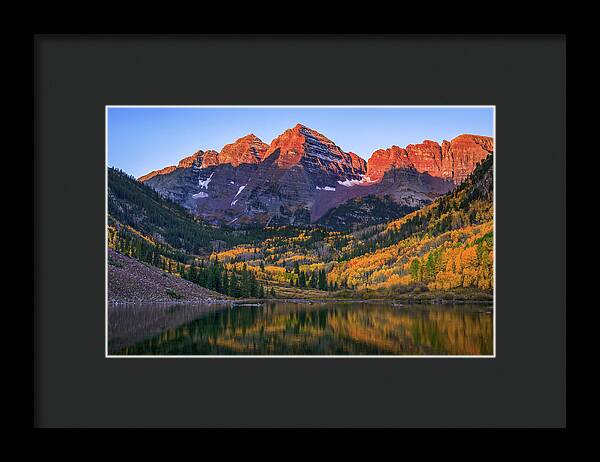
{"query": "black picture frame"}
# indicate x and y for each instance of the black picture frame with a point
(76, 76)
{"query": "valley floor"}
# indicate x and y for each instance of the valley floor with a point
(131, 281)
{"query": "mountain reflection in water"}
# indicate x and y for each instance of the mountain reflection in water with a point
(280, 328)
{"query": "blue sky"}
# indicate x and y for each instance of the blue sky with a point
(145, 139)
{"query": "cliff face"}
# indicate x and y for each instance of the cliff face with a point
(247, 150)
(200, 159)
(466, 151)
(302, 174)
(453, 160)
(210, 158)
(383, 160)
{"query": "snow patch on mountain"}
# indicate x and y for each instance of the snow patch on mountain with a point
(204, 183)
(239, 191)
(350, 183)
(325, 188)
(234, 201)
(200, 195)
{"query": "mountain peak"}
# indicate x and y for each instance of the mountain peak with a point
(303, 173)
(249, 137)
(302, 132)
(188, 161)
(301, 145)
(248, 149)
(468, 136)
(485, 142)
(303, 129)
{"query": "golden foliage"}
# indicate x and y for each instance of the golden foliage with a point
(458, 258)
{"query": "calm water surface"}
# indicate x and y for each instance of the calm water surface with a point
(281, 328)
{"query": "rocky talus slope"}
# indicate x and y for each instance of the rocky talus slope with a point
(130, 280)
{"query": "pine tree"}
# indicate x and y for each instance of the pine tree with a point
(253, 285)
(225, 283)
(193, 274)
(322, 280)
(414, 269)
(215, 277)
(302, 279)
(315, 280)
(244, 284)
(234, 289)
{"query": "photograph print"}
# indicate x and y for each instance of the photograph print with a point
(300, 231)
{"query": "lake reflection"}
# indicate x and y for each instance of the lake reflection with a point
(280, 328)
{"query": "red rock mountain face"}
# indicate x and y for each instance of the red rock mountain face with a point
(247, 150)
(201, 159)
(467, 151)
(210, 159)
(383, 160)
(453, 160)
(302, 145)
(302, 174)
(162, 171)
